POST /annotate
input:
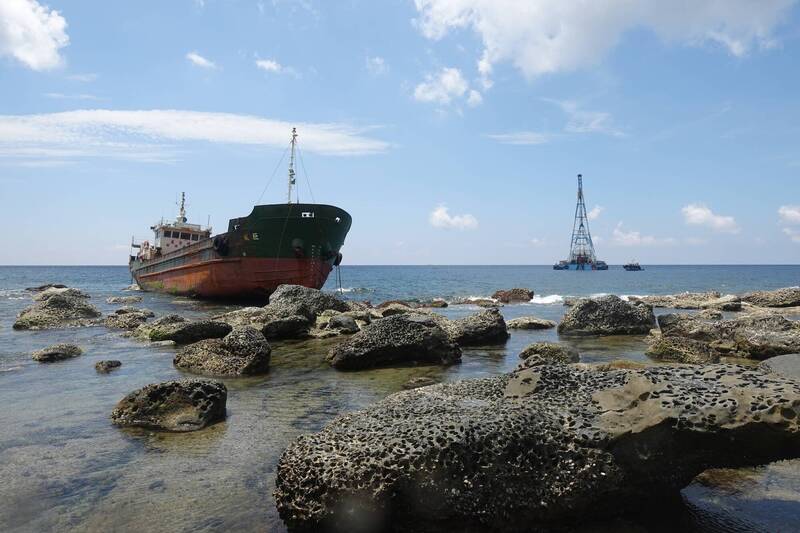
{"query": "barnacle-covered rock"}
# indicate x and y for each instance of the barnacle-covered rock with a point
(530, 322)
(57, 352)
(186, 405)
(398, 339)
(547, 353)
(188, 332)
(786, 297)
(543, 446)
(243, 351)
(58, 308)
(513, 295)
(608, 315)
(128, 317)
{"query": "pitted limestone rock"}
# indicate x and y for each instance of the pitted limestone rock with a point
(57, 352)
(609, 315)
(786, 297)
(398, 339)
(58, 308)
(484, 327)
(143, 330)
(513, 295)
(189, 332)
(128, 318)
(186, 405)
(547, 353)
(530, 322)
(268, 321)
(542, 446)
(290, 300)
(243, 351)
(756, 336)
(123, 299)
(694, 300)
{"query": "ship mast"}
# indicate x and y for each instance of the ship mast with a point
(291, 167)
(182, 213)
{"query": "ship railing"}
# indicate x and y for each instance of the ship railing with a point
(201, 245)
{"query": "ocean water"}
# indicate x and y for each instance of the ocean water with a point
(64, 467)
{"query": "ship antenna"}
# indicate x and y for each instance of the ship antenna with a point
(291, 167)
(182, 213)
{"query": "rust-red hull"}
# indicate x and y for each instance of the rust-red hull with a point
(237, 277)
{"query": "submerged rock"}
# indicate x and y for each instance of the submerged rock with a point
(681, 350)
(242, 352)
(547, 353)
(41, 288)
(104, 367)
(57, 352)
(786, 297)
(186, 405)
(543, 447)
(290, 300)
(399, 339)
(530, 322)
(513, 295)
(58, 308)
(422, 381)
(187, 332)
(608, 315)
(124, 299)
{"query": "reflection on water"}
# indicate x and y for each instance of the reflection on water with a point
(65, 467)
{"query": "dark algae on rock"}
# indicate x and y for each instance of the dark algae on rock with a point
(609, 315)
(541, 447)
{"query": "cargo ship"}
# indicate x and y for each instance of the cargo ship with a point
(581, 253)
(295, 243)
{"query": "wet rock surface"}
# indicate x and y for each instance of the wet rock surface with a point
(186, 405)
(755, 336)
(188, 332)
(682, 350)
(244, 351)
(57, 352)
(104, 367)
(143, 330)
(128, 318)
(422, 381)
(530, 322)
(787, 365)
(786, 297)
(544, 446)
(547, 353)
(399, 339)
(58, 308)
(42, 288)
(513, 295)
(609, 315)
(124, 300)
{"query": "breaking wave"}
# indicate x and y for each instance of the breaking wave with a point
(550, 299)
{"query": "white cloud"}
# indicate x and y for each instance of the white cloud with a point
(446, 87)
(595, 212)
(702, 215)
(793, 234)
(441, 218)
(32, 33)
(545, 36)
(85, 78)
(62, 96)
(622, 237)
(269, 65)
(537, 242)
(151, 135)
(520, 138)
(377, 65)
(200, 61)
(583, 121)
(789, 214)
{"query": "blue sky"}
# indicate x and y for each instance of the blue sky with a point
(451, 130)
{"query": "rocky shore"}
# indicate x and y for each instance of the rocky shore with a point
(558, 437)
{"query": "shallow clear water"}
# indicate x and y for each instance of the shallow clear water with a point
(65, 467)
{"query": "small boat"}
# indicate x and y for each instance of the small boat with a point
(633, 266)
(295, 243)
